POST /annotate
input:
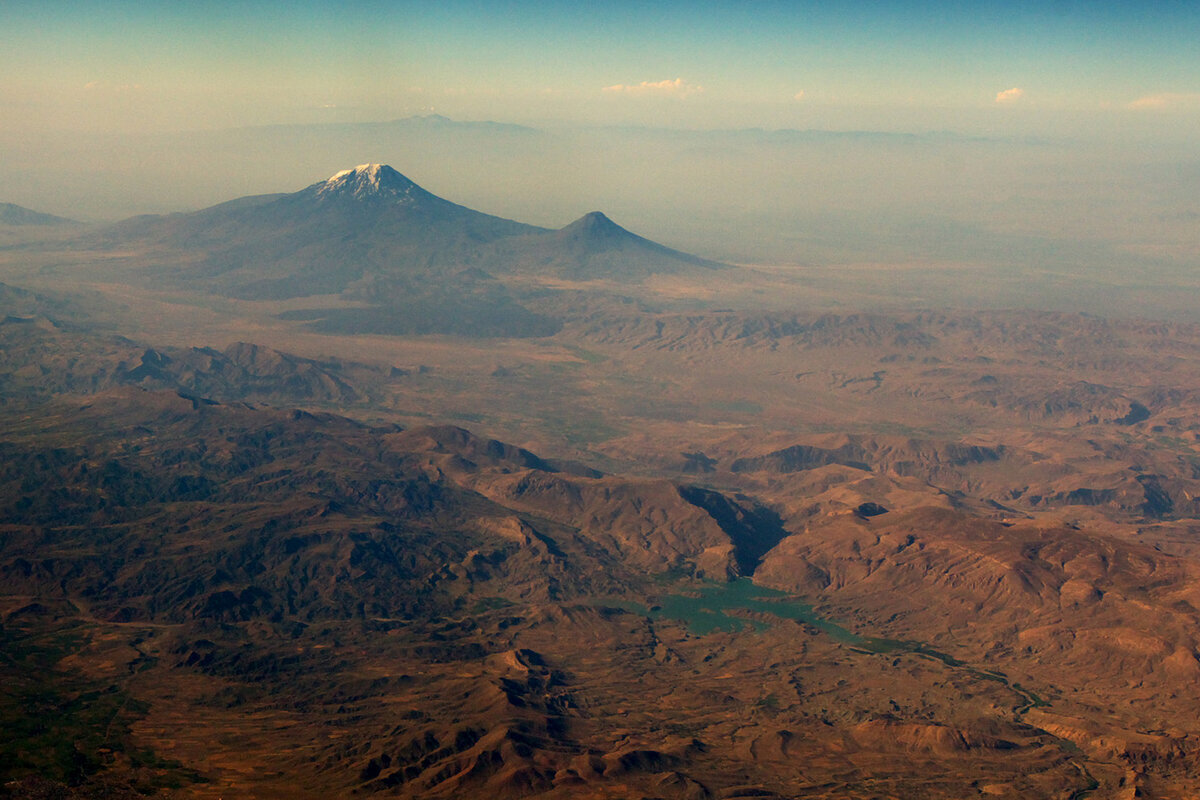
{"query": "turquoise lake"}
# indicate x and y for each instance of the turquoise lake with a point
(707, 610)
(713, 607)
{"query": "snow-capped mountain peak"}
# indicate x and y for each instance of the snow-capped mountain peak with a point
(367, 181)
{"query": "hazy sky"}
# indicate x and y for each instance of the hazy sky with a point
(987, 67)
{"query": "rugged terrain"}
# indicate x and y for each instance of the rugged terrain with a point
(663, 543)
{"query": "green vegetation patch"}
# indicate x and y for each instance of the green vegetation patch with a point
(584, 355)
(62, 727)
(739, 407)
(485, 604)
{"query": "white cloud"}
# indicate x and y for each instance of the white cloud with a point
(1010, 95)
(1166, 100)
(677, 87)
(114, 88)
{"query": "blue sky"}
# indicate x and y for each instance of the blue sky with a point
(984, 66)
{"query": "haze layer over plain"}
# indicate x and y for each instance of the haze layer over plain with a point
(951, 219)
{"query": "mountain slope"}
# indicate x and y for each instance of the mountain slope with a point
(366, 221)
(594, 247)
(11, 214)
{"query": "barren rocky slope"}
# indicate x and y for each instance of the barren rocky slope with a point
(248, 555)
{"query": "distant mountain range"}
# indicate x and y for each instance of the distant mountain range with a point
(371, 233)
(11, 214)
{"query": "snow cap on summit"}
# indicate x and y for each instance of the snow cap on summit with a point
(369, 180)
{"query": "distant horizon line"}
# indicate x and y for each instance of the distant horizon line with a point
(945, 134)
